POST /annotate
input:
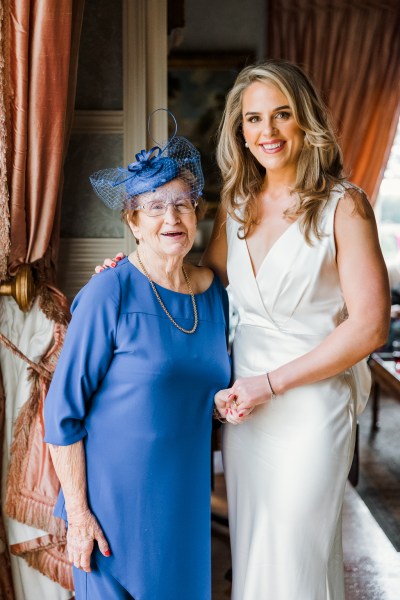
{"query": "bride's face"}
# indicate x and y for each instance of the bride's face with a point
(270, 129)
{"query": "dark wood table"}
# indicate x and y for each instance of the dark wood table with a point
(384, 374)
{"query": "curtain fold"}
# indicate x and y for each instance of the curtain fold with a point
(39, 43)
(6, 583)
(44, 42)
(32, 486)
(4, 124)
(351, 50)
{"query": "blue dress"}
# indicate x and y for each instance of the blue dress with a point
(139, 392)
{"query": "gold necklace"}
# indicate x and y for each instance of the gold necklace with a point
(196, 319)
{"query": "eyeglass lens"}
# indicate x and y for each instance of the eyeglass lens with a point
(159, 207)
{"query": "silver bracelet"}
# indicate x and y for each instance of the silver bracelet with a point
(273, 395)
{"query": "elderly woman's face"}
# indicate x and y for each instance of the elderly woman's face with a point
(172, 233)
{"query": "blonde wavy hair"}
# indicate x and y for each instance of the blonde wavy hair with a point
(320, 165)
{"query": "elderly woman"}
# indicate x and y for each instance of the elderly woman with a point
(128, 414)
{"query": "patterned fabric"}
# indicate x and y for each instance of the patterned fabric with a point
(4, 88)
(32, 485)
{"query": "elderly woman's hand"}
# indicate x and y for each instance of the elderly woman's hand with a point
(221, 403)
(83, 530)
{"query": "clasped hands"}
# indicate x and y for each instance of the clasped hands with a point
(236, 404)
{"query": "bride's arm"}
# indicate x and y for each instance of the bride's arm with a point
(109, 262)
(215, 255)
(364, 282)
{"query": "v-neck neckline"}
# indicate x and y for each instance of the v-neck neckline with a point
(264, 260)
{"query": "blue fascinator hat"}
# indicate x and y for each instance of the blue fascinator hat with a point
(120, 187)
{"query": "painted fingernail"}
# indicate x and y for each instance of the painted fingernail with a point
(118, 258)
(241, 415)
(107, 553)
(226, 412)
(113, 264)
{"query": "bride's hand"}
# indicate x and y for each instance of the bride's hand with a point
(109, 262)
(226, 405)
(251, 391)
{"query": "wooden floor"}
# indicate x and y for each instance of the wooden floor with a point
(379, 481)
(372, 565)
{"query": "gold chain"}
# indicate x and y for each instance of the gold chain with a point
(196, 319)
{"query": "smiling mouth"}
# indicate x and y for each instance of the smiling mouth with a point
(272, 148)
(173, 234)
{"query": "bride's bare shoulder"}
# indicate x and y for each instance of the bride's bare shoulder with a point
(201, 277)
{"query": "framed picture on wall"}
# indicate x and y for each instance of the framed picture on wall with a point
(197, 87)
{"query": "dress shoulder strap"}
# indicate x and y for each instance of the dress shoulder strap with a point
(336, 194)
(328, 215)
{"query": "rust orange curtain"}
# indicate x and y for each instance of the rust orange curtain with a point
(4, 126)
(39, 41)
(43, 40)
(351, 49)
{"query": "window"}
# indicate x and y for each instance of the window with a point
(387, 212)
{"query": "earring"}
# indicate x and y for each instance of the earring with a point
(246, 145)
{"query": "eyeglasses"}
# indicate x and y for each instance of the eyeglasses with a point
(156, 208)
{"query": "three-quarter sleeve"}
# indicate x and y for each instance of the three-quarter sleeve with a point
(86, 355)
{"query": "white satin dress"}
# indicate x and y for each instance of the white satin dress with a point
(286, 467)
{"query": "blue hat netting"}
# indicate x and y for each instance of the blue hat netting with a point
(119, 188)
